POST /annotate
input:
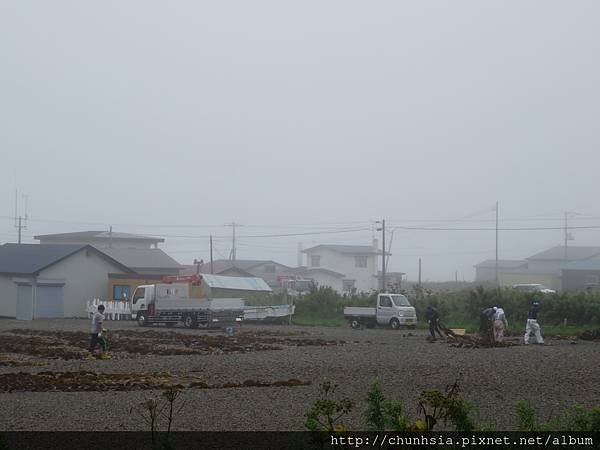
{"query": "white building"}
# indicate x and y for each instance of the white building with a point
(345, 268)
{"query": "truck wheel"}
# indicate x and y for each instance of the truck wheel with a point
(354, 323)
(395, 324)
(189, 321)
(142, 320)
(204, 325)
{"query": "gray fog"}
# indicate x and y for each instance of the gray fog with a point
(289, 118)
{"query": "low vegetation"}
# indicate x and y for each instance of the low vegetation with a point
(563, 313)
(438, 411)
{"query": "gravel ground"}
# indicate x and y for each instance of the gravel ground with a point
(552, 377)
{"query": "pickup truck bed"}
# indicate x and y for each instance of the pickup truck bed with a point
(355, 311)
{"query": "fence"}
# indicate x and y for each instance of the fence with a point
(114, 309)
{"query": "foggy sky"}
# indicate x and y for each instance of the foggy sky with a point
(175, 118)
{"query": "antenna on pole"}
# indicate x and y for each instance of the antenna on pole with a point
(20, 221)
(232, 253)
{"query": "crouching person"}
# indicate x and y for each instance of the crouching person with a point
(96, 328)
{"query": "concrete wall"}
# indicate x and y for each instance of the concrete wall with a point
(325, 279)
(8, 296)
(548, 280)
(578, 280)
(86, 276)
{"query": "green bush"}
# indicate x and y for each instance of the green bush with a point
(576, 418)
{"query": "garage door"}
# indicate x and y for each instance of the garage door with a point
(49, 302)
(24, 302)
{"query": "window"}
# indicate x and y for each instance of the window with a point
(348, 285)
(315, 260)
(400, 300)
(121, 292)
(138, 294)
(385, 301)
(270, 268)
(360, 261)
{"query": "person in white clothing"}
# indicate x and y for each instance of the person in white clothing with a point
(96, 327)
(500, 324)
(533, 325)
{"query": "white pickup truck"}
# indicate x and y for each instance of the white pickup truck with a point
(393, 310)
(170, 303)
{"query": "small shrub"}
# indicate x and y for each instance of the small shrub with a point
(384, 414)
(526, 416)
(326, 412)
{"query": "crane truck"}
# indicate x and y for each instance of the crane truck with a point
(180, 300)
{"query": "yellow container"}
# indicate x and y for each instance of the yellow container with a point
(458, 331)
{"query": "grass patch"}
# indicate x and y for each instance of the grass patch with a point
(318, 320)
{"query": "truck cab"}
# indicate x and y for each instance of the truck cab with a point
(395, 307)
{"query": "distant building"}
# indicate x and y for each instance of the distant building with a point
(486, 270)
(268, 270)
(139, 253)
(582, 275)
(101, 239)
(346, 268)
(46, 281)
(547, 268)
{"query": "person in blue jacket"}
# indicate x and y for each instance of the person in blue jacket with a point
(533, 324)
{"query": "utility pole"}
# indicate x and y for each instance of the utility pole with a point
(300, 259)
(382, 229)
(497, 279)
(420, 288)
(20, 227)
(110, 237)
(566, 236)
(211, 255)
(232, 253)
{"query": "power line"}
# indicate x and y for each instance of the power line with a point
(588, 227)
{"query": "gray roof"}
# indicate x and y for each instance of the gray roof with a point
(589, 264)
(573, 253)
(236, 283)
(309, 270)
(221, 265)
(142, 258)
(349, 249)
(28, 259)
(98, 235)
(502, 264)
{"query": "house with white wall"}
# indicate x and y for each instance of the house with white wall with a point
(346, 268)
(55, 280)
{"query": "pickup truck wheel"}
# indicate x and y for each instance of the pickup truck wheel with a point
(395, 324)
(189, 321)
(203, 325)
(142, 320)
(354, 323)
